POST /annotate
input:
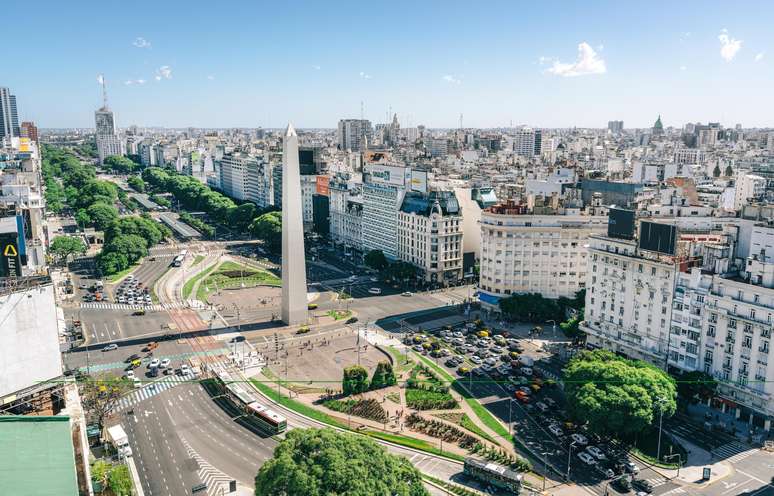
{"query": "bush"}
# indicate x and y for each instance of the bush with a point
(420, 399)
(366, 408)
(355, 380)
(383, 376)
(440, 430)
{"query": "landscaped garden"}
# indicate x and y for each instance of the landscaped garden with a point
(232, 275)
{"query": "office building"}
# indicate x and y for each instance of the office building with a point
(383, 189)
(615, 127)
(9, 116)
(108, 141)
(354, 134)
(29, 130)
(244, 177)
(346, 213)
(527, 142)
(430, 235)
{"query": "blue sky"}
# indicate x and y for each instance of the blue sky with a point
(253, 63)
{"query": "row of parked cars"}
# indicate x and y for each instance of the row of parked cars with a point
(132, 292)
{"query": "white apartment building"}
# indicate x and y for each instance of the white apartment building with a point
(430, 235)
(689, 156)
(628, 299)
(383, 189)
(524, 252)
(748, 187)
(723, 328)
(244, 177)
(527, 142)
(354, 134)
(345, 212)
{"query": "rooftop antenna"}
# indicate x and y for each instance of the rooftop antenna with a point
(361, 110)
(460, 120)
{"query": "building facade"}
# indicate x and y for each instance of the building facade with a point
(354, 134)
(9, 115)
(107, 139)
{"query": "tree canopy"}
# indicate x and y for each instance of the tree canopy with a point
(615, 395)
(268, 227)
(383, 376)
(355, 380)
(62, 247)
(322, 462)
(102, 215)
(136, 183)
(376, 260)
(120, 164)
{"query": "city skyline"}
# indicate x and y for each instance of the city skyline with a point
(561, 65)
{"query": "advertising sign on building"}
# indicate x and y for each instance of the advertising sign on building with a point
(10, 257)
(388, 174)
(419, 181)
(323, 185)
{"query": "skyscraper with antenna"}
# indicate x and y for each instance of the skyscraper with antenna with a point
(106, 136)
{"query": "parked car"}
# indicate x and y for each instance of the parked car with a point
(407, 293)
(154, 363)
(631, 468)
(556, 430)
(622, 485)
(165, 363)
(579, 439)
(476, 359)
(596, 453)
(642, 485)
(586, 458)
(110, 347)
(375, 291)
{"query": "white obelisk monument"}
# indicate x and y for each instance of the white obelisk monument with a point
(294, 305)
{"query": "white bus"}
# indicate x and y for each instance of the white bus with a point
(178, 260)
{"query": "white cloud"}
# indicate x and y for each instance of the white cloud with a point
(588, 62)
(163, 72)
(211, 77)
(141, 42)
(363, 75)
(451, 79)
(759, 56)
(728, 46)
(545, 60)
(316, 67)
(134, 81)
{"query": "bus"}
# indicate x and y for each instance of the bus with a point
(494, 474)
(253, 413)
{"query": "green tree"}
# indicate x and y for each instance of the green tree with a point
(156, 177)
(322, 462)
(82, 218)
(615, 395)
(355, 380)
(102, 215)
(111, 262)
(268, 227)
(716, 171)
(383, 376)
(132, 246)
(120, 481)
(240, 217)
(531, 307)
(136, 183)
(62, 247)
(100, 472)
(729, 171)
(376, 260)
(119, 164)
(696, 385)
(100, 394)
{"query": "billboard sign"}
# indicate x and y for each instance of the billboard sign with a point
(323, 185)
(620, 223)
(10, 256)
(657, 237)
(388, 174)
(419, 181)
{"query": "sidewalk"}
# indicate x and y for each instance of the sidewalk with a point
(692, 472)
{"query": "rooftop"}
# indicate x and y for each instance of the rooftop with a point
(37, 456)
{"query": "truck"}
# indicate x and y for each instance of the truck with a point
(117, 436)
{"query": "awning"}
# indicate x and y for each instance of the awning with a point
(489, 299)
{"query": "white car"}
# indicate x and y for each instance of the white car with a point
(491, 362)
(556, 430)
(185, 370)
(110, 347)
(579, 439)
(476, 359)
(165, 363)
(137, 382)
(586, 458)
(130, 375)
(121, 299)
(154, 363)
(375, 291)
(407, 293)
(596, 453)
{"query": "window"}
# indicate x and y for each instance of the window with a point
(711, 331)
(747, 342)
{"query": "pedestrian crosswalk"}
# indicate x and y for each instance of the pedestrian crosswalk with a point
(149, 308)
(733, 452)
(677, 490)
(655, 481)
(148, 390)
(215, 480)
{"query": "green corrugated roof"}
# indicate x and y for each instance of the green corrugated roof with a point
(36, 456)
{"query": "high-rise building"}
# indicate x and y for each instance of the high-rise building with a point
(615, 127)
(29, 130)
(383, 189)
(244, 177)
(354, 134)
(9, 116)
(528, 142)
(108, 141)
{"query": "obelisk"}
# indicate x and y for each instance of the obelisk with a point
(294, 305)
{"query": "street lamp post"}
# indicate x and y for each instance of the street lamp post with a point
(510, 422)
(545, 468)
(569, 459)
(553, 327)
(660, 422)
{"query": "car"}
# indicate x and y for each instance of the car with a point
(83, 285)
(121, 299)
(374, 279)
(165, 363)
(522, 397)
(491, 362)
(375, 291)
(527, 371)
(609, 474)
(524, 389)
(151, 346)
(550, 402)
(556, 430)
(185, 370)
(541, 406)
(579, 439)
(110, 347)
(631, 468)
(418, 347)
(130, 375)
(148, 299)
(586, 458)
(463, 370)
(476, 359)
(137, 382)
(642, 485)
(596, 453)
(622, 485)
(154, 363)
(351, 320)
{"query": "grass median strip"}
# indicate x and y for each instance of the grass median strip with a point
(298, 407)
(190, 283)
(484, 415)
